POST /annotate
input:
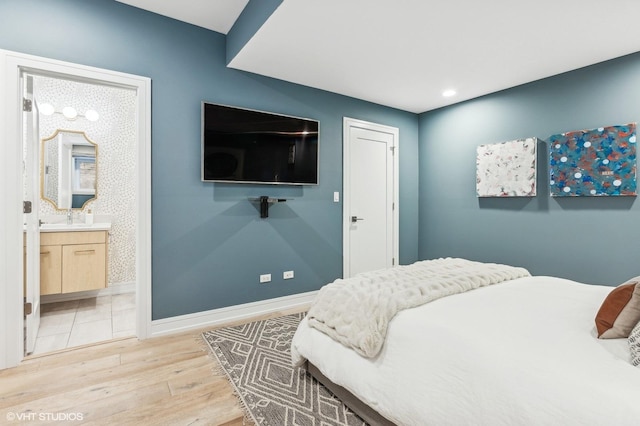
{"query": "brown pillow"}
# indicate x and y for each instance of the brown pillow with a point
(620, 311)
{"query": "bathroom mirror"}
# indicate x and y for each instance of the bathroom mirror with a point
(69, 169)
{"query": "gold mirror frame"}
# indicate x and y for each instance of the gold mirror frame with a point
(44, 164)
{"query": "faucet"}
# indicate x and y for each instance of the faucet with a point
(69, 217)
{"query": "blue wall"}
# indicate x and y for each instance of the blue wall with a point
(253, 16)
(209, 244)
(588, 239)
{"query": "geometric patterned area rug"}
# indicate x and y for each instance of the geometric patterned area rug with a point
(256, 359)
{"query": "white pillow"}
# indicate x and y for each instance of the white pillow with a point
(634, 345)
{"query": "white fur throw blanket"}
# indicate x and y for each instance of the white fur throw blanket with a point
(356, 311)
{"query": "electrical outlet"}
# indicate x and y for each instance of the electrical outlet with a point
(265, 278)
(287, 275)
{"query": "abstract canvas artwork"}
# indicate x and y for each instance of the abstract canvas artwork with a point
(592, 163)
(507, 169)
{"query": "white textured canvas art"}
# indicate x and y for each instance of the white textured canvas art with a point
(507, 169)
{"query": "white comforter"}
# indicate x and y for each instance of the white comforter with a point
(356, 311)
(523, 352)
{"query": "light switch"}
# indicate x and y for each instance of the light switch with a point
(336, 197)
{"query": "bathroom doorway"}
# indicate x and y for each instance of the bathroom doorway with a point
(86, 198)
(111, 148)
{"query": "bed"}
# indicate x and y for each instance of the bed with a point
(522, 351)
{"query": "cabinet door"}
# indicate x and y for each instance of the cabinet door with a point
(83, 267)
(50, 270)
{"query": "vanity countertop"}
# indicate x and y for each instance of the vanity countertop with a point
(63, 227)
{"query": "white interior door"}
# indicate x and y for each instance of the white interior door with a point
(370, 197)
(31, 144)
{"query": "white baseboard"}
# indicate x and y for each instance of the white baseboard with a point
(119, 288)
(222, 316)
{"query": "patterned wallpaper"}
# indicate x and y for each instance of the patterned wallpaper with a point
(115, 135)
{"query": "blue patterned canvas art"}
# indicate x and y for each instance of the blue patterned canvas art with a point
(592, 163)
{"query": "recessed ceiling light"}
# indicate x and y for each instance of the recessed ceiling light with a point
(449, 93)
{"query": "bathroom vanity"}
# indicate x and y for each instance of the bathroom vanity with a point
(73, 257)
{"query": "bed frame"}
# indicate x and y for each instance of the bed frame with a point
(365, 412)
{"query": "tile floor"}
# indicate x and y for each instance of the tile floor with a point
(81, 322)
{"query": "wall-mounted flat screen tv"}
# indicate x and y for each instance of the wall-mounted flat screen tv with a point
(246, 146)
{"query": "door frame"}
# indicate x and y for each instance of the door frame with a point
(31, 146)
(11, 159)
(348, 124)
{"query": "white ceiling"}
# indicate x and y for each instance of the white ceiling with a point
(405, 53)
(216, 15)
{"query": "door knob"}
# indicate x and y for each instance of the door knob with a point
(354, 219)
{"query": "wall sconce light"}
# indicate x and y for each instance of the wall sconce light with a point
(69, 113)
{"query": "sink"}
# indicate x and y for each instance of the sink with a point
(63, 225)
(57, 227)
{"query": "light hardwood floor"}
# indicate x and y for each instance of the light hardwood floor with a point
(169, 380)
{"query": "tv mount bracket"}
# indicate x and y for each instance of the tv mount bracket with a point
(265, 202)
